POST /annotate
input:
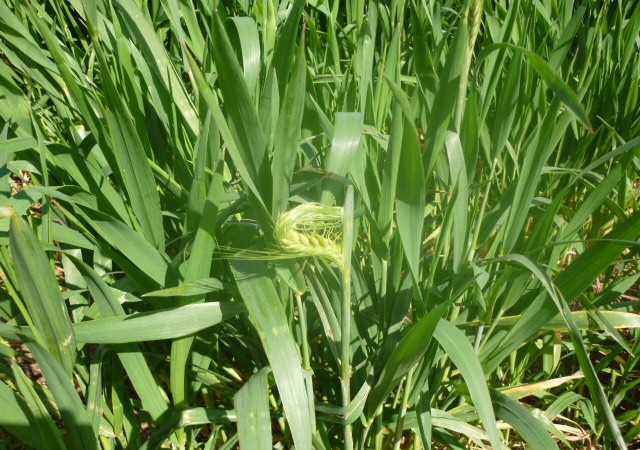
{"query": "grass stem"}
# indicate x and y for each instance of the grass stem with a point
(347, 236)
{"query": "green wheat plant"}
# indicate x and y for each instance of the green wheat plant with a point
(320, 224)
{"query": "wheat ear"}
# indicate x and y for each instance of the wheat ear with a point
(311, 229)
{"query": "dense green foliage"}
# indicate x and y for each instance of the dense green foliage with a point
(470, 279)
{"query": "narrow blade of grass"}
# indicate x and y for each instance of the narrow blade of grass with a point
(564, 93)
(189, 289)
(287, 134)
(34, 409)
(599, 396)
(131, 160)
(130, 355)
(132, 245)
(406, 354)
(284, 50)
(245, 123)
(156, 56)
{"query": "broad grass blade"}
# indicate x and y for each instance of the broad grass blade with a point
(197, 266)
(443, 420)
(207, 155)
(536, 153)
(268, 317)
(88, 173)
(460, 202)
(495, 62)
(76, 420)
(563, 46)
(590, 205)
(446, 97)
(410, 200)
(520, 418)
(252, 408)
(365, 54)
(83, 102)
(344, 147)
(348, 414)
(134, 168)
(163, 324)
(459, 350)
(42, 297)
(507, 107)
(16, 145)
(94, 390)
(248, 43)
(288, 133)
(242, 158)
(390, 174)
(584, 320)
(129, 154)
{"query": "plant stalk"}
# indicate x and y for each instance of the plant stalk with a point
(403, 409)
(347, 243)
(303, 330)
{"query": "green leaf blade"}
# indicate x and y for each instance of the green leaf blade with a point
(42, 297)
(266, 314)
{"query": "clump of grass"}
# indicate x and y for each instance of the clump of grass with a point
(144, 144)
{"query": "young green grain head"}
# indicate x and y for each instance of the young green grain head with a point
(311, 229)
